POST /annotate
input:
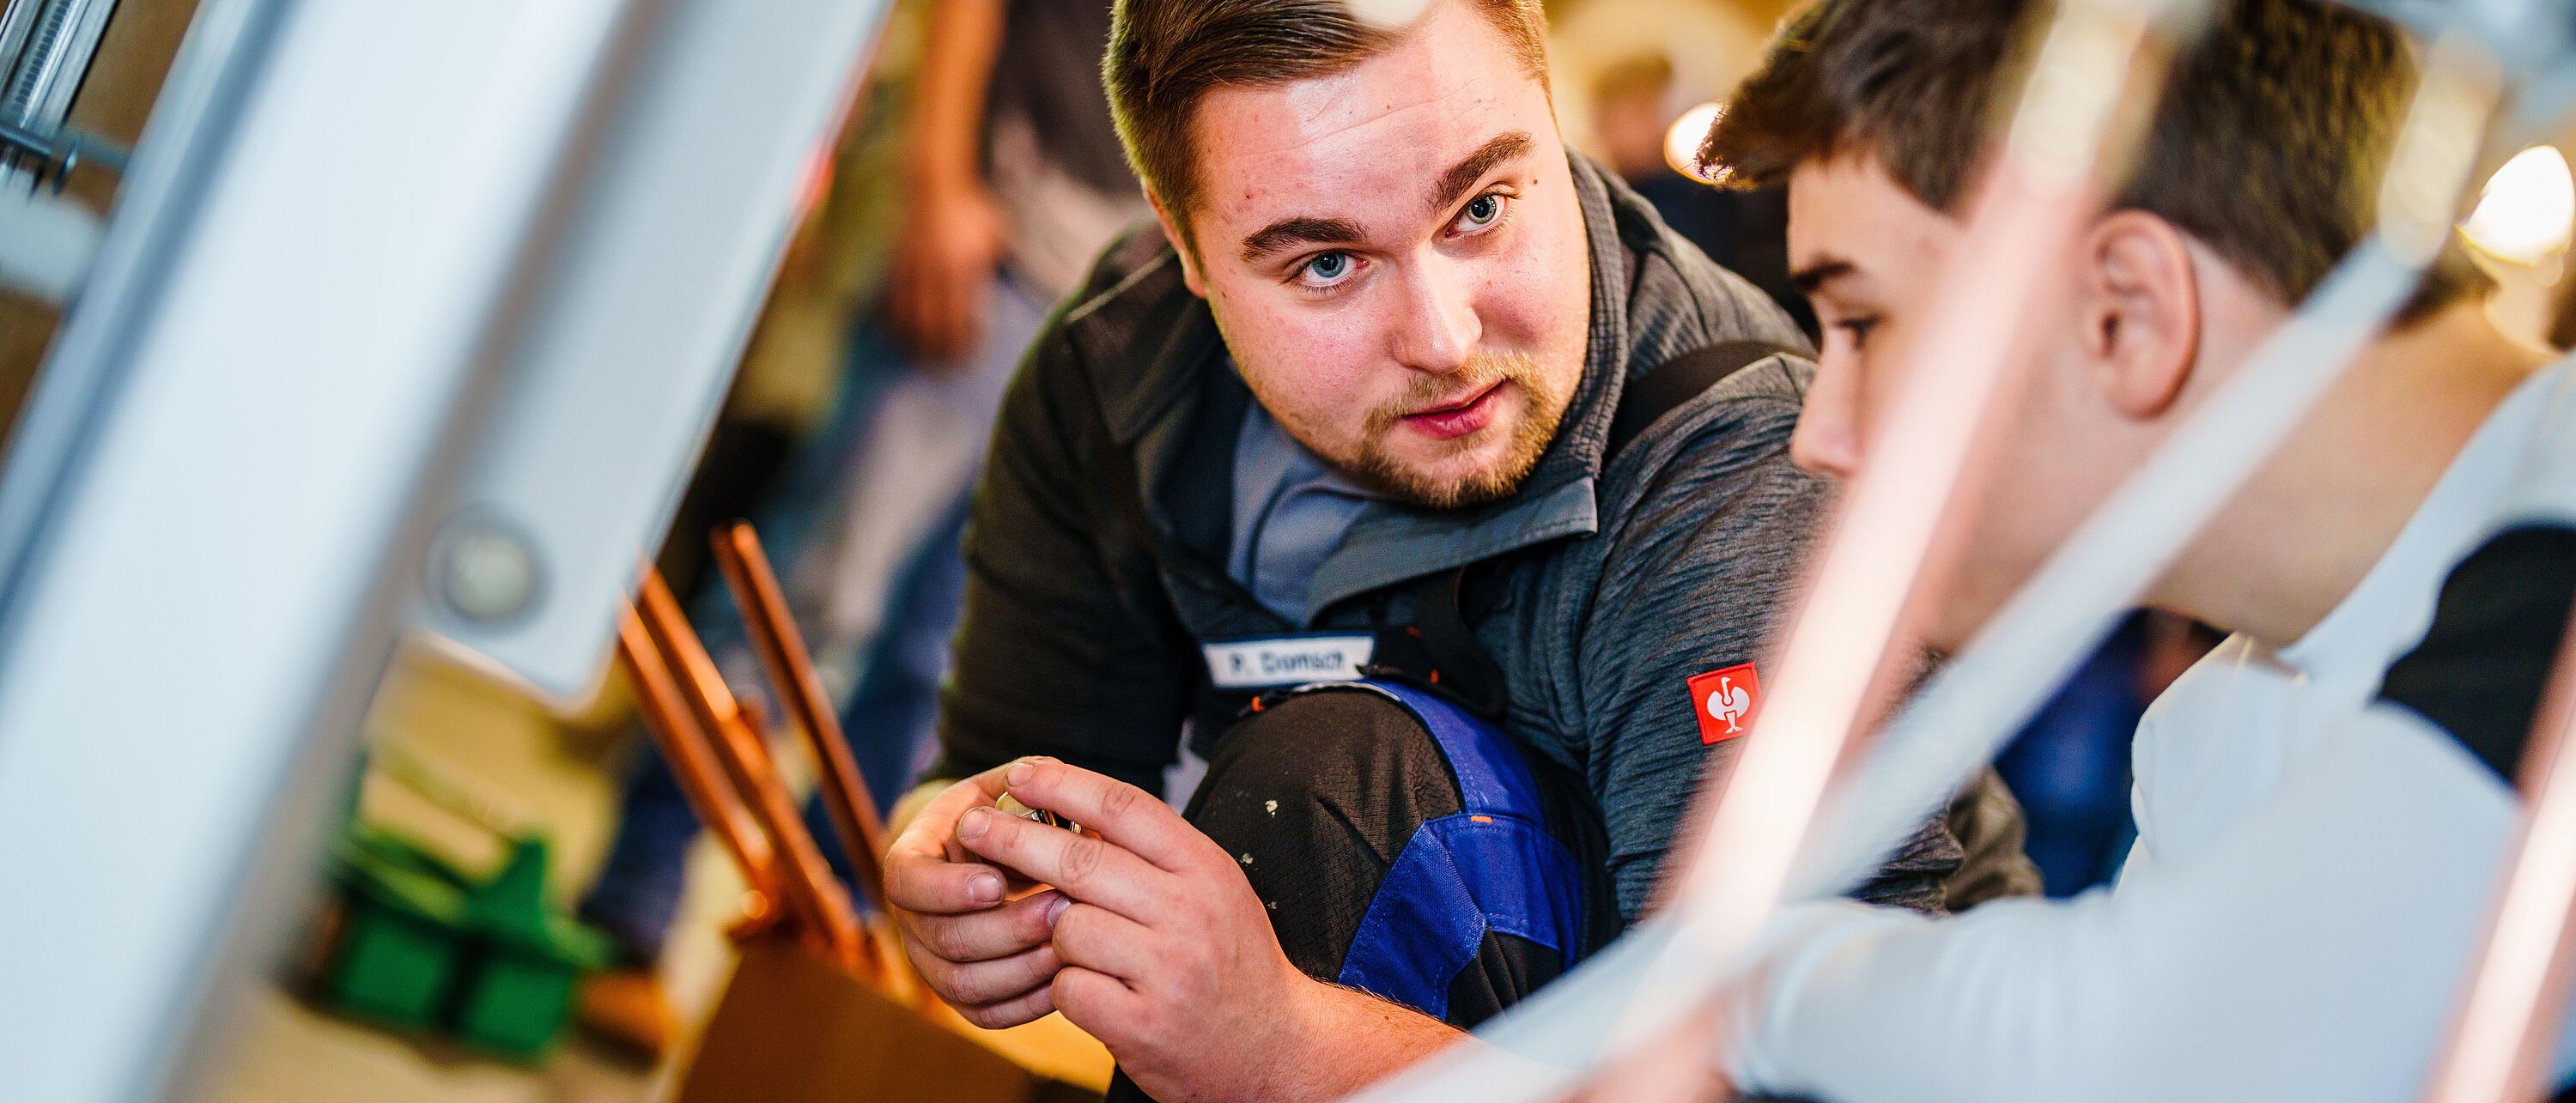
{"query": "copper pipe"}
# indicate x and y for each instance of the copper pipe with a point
(2506, 1026)
(701, 684)
(894, 970)
(791, 669)
(811, 891)
(684, 747)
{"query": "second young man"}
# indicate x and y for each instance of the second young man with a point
(2325, 801)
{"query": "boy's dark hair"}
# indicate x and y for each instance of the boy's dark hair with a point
(1167, 55)
(2267, 143)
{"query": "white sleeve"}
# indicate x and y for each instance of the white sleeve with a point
(2310, 954)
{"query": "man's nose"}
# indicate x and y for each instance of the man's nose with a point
(1827, 441)
(1438, 329)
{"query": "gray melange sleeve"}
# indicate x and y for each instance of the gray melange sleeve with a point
(1696, 570)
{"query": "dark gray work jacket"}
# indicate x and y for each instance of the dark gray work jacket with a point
(1601, 591)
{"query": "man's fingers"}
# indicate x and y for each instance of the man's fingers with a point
(981, 789)
(1083, 867)
(1027, 1007)
(1104, 941)
(983, 983)
(1101, 1006)
(933, 885)
(988, 934)
(1127, 816)
(933, 831)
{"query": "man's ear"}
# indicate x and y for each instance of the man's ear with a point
(2141, 311)
(1180, 244)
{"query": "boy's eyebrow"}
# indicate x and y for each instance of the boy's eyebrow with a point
(1290, 232)
(1473, 167)
(1825, 270)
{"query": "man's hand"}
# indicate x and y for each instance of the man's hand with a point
(988, 958)
(943, 265)
(1168, 954)
(951, 239)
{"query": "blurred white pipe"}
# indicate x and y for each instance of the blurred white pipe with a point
(46, 242)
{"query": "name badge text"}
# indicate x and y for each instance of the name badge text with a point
(1286, 661)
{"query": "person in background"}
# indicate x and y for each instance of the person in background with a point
(1016, 181)
(2070, 766)
(1012, 179)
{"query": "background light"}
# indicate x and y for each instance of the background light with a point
(2527, 209)
(1681, 143)
(1387, 13)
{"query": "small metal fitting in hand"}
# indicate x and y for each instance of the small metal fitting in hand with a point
(1012, 807)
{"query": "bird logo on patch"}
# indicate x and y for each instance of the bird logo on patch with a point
(1726, 701)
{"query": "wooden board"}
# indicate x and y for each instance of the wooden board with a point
(793, 1029)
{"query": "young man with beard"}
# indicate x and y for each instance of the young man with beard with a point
(1400, 391)
(2324, 802)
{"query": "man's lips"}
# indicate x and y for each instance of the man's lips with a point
(1457, 419)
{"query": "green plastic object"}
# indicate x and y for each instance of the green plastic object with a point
(399, 946)
(517, 994)
(424, 947)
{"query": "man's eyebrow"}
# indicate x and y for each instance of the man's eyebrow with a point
(1820, 273)
(1289, 232)
(1463, 175)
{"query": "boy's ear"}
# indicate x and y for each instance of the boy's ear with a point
(1180, 244)
(2141, 312)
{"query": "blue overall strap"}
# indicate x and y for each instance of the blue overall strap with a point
(1492, 867)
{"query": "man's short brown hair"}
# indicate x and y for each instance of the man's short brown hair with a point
(2267, 145)
(1167, 55)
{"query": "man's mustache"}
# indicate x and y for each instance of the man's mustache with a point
(1481, 370)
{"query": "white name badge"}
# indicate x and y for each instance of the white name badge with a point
(1286, 661)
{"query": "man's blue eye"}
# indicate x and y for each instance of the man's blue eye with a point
(1329, 267)
(1484, 209)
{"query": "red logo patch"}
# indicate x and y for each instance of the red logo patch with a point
(1726, 701)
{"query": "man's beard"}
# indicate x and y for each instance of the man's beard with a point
(1544, 406)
